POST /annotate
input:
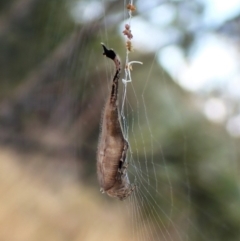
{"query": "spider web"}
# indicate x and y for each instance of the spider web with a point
(153, 201)
(161, 208)
(185, 167)
(152, 207)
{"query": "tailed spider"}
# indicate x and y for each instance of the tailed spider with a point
(113, 147)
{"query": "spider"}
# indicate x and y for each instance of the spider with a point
(112, 146)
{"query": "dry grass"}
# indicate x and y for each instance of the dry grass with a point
(31, 210)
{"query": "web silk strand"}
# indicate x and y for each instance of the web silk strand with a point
(128, 64)
(126, 72)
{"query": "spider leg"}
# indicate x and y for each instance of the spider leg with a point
(122, 163)
(125, 81)
(102, 190)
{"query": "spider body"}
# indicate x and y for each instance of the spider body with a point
(112, 148)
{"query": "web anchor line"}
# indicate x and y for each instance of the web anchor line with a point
(128, 66)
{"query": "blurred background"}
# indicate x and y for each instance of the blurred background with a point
(181, 116)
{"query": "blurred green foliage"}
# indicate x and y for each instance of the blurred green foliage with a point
(53, 77)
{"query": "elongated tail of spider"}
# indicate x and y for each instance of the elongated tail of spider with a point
(111, 54)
